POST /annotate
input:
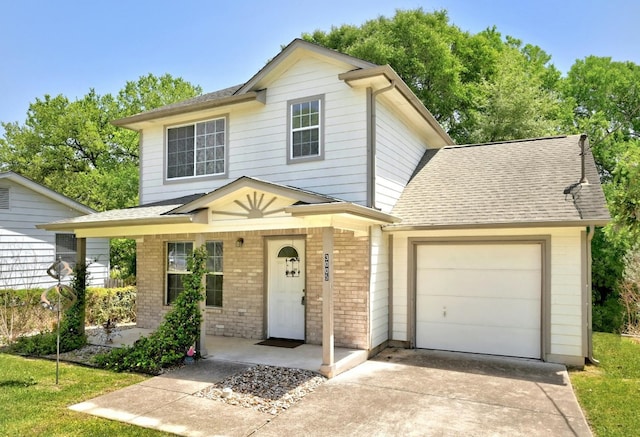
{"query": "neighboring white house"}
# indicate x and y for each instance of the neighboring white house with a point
(335, 209)
(27, 252)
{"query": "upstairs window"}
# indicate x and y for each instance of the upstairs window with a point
(305, 126)
(197, 149)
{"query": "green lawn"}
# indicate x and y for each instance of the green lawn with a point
(32, 404)
(610, 393)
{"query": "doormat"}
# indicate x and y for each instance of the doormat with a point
(281, 342)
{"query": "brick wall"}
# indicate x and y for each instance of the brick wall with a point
(243, 307)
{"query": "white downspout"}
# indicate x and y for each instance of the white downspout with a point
(372, 144)
(590, 357)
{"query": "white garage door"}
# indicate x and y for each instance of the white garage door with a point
(483, 298)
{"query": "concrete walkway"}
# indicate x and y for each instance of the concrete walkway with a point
(399, 393)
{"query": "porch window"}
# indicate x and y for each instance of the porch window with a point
(305, 125)
(66, 248)
(197, 149)
(177, 253)
(214, 273)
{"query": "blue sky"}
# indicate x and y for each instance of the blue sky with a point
(67, 47)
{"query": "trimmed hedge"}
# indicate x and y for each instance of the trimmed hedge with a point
(115, 304)
(21, 313)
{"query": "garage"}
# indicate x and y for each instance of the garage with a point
(483, 297)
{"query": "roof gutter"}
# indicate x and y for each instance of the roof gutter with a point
(341, 208)
(163, 220)
(553, 224)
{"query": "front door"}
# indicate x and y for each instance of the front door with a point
(286, 295)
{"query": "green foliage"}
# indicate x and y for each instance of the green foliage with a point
(117, 305)
(516, 103)
(21, 313)
(72, 334)
(465, 80)
(123, 258)
(168, 345)
(609, 316)
(608, 393)
(72, 147)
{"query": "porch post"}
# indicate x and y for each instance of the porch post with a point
(328, 362)
(81, 259)
(202, 346)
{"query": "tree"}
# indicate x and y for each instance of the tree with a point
(606, 98)
(438, 61)
(465, 80)
(72, 147)
(516, 102)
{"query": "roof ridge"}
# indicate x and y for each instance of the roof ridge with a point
(461, 146)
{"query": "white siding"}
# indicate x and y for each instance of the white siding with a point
(398, 151)
(27, 252)
(379, 287)
(257, 140)
(565, 318)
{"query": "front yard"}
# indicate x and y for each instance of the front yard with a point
(32, 404)
(609, 394)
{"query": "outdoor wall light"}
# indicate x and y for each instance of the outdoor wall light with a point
(239, 242)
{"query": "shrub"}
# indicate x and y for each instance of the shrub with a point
(609, 316)
(168, 345)
(21, 314)
(72, 334)
(115, 304)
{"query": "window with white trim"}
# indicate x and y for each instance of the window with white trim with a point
(305, 136)
(197, 149)
(178, 253)
(66, 248)
(214, 273)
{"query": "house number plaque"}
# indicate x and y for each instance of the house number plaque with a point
(326, 267)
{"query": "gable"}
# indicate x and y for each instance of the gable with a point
(9, 179)
(296, 50)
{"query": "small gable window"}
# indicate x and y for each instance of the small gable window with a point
(197, 149)
(305, 129)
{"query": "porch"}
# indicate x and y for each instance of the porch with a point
(242, 350)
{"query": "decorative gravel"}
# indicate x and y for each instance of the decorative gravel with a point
(84, 355)
(268, 389)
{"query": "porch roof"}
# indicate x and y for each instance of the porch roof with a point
(289, 207)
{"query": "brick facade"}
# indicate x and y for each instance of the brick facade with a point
(243, 309)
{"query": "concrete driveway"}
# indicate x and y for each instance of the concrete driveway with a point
(431, 393)
(398, 393)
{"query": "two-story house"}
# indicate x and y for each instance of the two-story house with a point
(336, 210)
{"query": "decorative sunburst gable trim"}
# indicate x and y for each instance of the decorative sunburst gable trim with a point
(254, 206)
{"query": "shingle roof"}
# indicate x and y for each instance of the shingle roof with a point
(516, 182)
(166, 210)
(208, 97)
